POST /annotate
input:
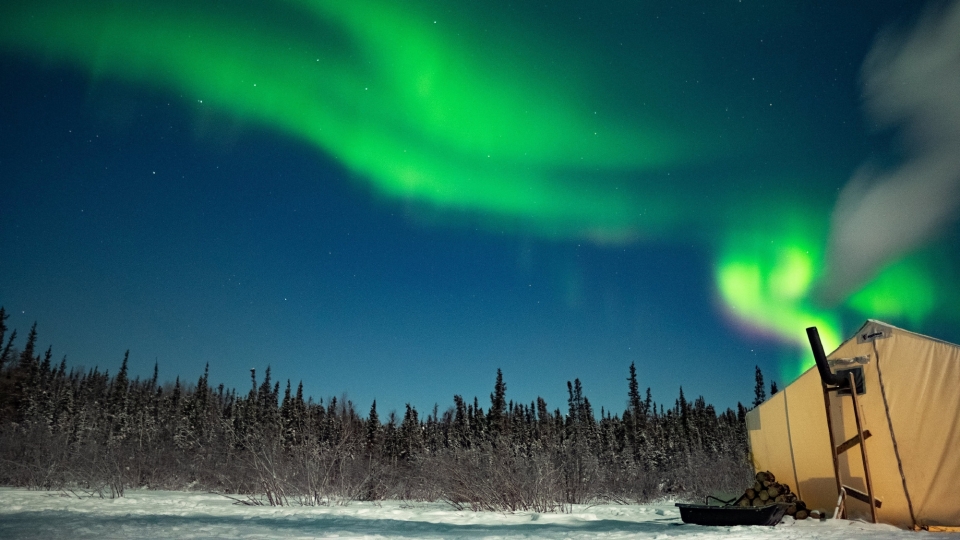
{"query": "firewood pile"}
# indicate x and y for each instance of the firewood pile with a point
(766, 490)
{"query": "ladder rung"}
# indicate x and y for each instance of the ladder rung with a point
(861, 496)
(846, 445)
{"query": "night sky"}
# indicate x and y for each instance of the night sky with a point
(394, 199)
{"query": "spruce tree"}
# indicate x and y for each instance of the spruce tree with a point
(636, 406)
(5, 355)
(26, 356)
(411, 433)
(118, 392)
(498, 405)
(373, 428)
(760, 394)
(544, 420)
(3, 334)
(118, 400)
(574, 401)
(461, 427)
(683, 410)
(45, 364)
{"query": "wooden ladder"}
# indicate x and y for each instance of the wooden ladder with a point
(857, 440)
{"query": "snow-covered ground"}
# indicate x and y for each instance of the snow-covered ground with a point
(166, 514)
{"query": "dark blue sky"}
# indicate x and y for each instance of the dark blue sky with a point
(135, 218)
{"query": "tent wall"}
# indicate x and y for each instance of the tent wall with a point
(912, 409)
(922, 384)
(788, 437)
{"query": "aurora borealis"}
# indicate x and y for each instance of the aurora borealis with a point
(715, 134)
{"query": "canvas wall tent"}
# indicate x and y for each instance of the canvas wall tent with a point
(911, 406)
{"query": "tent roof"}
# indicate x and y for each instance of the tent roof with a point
(879, 323)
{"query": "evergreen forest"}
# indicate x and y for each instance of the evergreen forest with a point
(90, 433)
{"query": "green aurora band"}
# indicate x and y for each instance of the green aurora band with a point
(432, 109)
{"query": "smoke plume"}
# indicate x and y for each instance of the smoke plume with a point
(910, 82)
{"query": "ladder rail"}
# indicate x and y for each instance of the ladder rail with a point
(858, 415)
(832, 382)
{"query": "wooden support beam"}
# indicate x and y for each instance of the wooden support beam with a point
(858, 416)
(833, 440)
(853, 441)
(861, 496)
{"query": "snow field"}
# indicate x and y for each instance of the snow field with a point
(166, 514)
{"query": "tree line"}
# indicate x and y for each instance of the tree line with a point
(89, 432)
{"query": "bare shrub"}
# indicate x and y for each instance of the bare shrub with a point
(499, 479)
(36, 457)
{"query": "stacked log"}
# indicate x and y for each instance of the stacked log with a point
(766, 490)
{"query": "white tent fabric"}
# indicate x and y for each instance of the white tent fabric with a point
(911, 406)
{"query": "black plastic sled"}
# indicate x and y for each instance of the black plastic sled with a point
(701, 514)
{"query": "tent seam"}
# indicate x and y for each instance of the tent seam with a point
(793, 458)
(893, 437)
